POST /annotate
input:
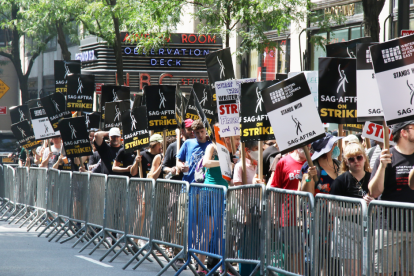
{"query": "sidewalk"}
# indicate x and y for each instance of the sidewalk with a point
(23, 253)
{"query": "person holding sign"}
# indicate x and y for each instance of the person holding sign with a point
(252, 155)
(147, 157)
(389, 178)
(108, 152)
(50, 154)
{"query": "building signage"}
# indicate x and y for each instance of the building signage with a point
(347, 10)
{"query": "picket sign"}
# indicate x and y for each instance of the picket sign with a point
(312, 79)
(376, 132)
(42, 127)
(223, 155)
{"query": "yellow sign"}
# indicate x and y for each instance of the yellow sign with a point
(3, 88)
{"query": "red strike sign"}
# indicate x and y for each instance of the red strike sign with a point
(229, 109)
(375, 132)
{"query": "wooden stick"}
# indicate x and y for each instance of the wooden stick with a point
(368, 143)
(164, 141)
(386, 135)
(233, 145)
(139, 165)
(340, 130)
(49, 141)
(260, 161)
(243, 159)
(309, 159)
(178, 133)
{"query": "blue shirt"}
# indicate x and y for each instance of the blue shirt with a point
(192, 151)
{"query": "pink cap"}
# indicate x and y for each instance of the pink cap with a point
(188, 123)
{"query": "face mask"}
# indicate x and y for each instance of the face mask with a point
(336, 152)
(254, 155)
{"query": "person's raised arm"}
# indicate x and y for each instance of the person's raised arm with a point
(134, 169)
(308, 184)
(45, 159)
(208, 162)
(100, 136)
(56, 165)
(116, 167)
(376, 185)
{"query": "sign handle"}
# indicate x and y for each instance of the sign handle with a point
(260, 161)
(386, 135)
(368, 143)
(79, 114)
(139, 165)
(243, 159)
(49, 141)
(340, 130)
(164, 141)
(233, 145)
(309, 159)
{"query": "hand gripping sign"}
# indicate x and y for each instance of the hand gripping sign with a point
(393, 63)
(135, 129)
(75, 137)
(376, 132)
(24, 135)
(369, 102)
(292, 113)
(55, 107)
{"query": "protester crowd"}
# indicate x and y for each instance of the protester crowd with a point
(368, 173)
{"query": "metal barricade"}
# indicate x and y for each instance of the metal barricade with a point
(245, 228)
(289, 232)
(10, 176)
(78, 207)
(41, 196)
(21, 181)
(340, 235)
(139, 215)
(390, 238)
(52, 190)
(206, 224)
(1, 183)
(96, 211)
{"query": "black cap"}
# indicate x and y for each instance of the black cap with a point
(399, 126)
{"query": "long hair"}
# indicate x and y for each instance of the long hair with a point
(354, 149)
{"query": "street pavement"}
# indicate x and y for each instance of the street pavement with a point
(23, 253)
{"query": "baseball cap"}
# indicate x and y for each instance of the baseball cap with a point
(156, 138)
(114, 132)
(399, 126)
(188, 123)
(351, 139)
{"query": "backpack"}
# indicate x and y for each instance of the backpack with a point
(200, 172)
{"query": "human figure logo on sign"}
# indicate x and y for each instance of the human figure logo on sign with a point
(133, 122)
(259, 99)
(411, 87)
(117, 114)
(115, 95)
(22, 132)
(162, 99)
(297, 124)
(22, 118)
(56, 106)
(73, 131)
(222, 74)
(87, 121)
(80, 86)
(342, 79)
(46, 128)
(67, 71)
(204, 99)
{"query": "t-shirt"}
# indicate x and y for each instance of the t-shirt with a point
(108, 155)
(375, 152)
(170, 159)
(325, 181)
(396, 177)
(269, 155)
(53, 159)
(347, 185)
(250, 172)
(192, 151)
(147, 159)
(126, 159)
(287, 173)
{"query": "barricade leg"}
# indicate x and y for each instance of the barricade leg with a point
(55, 222)
(140, 251)
(133, 245)
(122, 239)
(36, 220)
(76, 231)
(11, 210)
(58, 223)
(34, 214)
(18, 214)
(44, 222)
(26, 215)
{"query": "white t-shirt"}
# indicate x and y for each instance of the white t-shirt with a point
(55, 151)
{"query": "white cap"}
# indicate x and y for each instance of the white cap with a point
(351, 139)
(114, 132)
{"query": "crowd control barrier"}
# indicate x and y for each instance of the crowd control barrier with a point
(21, 181)
(206, 224)
(289, 233)
(245, 221)
(340, 234)
(41, 198)
(1, 183)
(9, 180)
(390, 238)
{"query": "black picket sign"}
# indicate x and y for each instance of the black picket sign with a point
(190, 109)
(55, 107)
(160, 102)
(353, 127)
(202, 117)
(203, 93)
(92, 120)
(254, 122)
(62, 70)
(111, 93)
(75, 137)
(337, 90)
(80, 92)
(135, 129)
(345, 49)
(23, 133)
(179, 106)
(34, 103)
(19, 113)
(280, 77)
(219, 66)
(113, 113)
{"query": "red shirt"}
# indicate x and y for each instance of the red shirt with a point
(287, 173)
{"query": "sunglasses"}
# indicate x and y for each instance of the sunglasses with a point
(270, 144)
(352, 159)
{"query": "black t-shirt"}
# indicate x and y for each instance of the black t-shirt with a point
(170, 159)
(269, 155)
(146, 162)
(108, 155)
(346, 185)
(396, 177)
(125, 159)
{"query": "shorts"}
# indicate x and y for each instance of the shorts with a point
(392, 249)
(346, 240)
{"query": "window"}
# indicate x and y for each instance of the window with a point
(272, 61)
